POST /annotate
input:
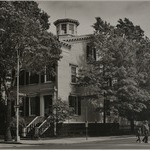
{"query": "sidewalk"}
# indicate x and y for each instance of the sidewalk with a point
(74, 140)
(71, 140)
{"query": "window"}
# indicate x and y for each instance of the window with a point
(26, 78)
(57, 29)
(49, 74)
(32, 106)
(22, 77)
(91, 53)
(71, 28)
(34, 78)
(64, 28)
(73, 74)
(75, 103)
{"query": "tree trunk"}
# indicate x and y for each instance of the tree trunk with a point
(8, 136)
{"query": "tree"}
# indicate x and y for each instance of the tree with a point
(60, 111)
(131, 31)
(24, 28)
(119, 53)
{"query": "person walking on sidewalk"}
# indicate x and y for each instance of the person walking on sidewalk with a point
(138, 134)
(145, 131)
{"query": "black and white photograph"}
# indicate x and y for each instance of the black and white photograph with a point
(74, 74)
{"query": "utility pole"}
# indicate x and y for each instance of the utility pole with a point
(86, 123)
(55, 99)
(104, 107)
(17, 102)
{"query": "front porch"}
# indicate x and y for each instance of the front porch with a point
(39, 99)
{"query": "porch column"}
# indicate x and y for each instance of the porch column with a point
(41, 105)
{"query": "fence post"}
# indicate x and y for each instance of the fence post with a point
(24, 132)
(36, 134)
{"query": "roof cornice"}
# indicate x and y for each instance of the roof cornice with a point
(65, 44)
(77, 38)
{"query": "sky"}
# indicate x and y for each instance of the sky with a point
(85, 12)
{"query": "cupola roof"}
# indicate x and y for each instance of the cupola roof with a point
(66, 20)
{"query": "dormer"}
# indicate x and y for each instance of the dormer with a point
(66, 27)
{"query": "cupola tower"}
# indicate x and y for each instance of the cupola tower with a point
(66, 27)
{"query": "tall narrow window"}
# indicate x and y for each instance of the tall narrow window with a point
(71, 28)
(34, 78)
(91, 53)
(75, 103)
(32, 106)
(73, 74)
(64, 28)
(57, 29)
(49, 73)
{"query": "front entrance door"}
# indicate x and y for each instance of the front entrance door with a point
(35, 106)
(47, 105)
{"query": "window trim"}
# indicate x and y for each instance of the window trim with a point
(76, 73)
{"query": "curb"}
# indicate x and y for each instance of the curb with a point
(10, 142)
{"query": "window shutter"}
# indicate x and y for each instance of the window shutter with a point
(53, 78)
(22, 77)
(42, 78)
(94, 49)
(79, 105)
(37, 105)
(27, 78)
(87, 51)
(70, 101)
(27, 106)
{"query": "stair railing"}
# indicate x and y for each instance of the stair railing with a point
(33, 123)
(44, 126)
